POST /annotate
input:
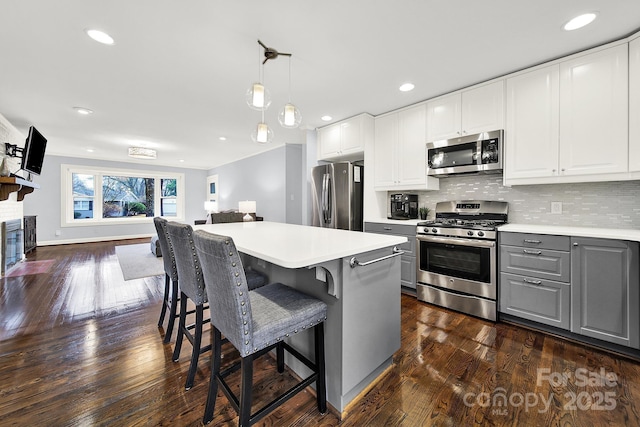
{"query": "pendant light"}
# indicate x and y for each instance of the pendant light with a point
(262, 134)
(289, 116)
(258, 96)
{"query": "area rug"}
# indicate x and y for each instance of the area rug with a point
(30, 267)
(137, 261)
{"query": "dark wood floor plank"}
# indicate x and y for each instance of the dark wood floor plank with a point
(79, 345)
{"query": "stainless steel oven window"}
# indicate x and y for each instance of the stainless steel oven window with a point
(465, 262)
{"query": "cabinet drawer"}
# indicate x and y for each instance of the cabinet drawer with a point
(384, 228)
(408, 272)
(539, 263)
(540, 241)
(540, 300)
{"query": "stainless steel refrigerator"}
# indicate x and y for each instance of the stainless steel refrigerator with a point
(336, 192)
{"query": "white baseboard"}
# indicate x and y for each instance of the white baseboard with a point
(92, 239)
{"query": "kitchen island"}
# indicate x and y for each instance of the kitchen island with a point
(362, 330)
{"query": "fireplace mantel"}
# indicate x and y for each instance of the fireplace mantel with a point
(9, 185)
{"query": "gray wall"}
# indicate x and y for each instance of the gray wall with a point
(310, 157)
(599, 204)
(294, 195)
(45, 202)
(273, 179)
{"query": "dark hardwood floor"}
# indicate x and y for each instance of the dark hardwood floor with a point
(80, 346)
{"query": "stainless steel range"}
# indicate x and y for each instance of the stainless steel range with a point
(457, 256)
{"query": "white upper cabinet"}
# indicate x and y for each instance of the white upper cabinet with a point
(386, 141)
(345, 140)
(568, 122)
(400, 157)
(531, 134)
(475, 110)
(443, 116)
(412, 165)
(594, 132)
(329, 141)
(634, 105)
(483, 108)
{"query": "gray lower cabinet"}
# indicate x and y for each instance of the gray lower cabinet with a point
(604, 292)
(535, 275)
(588, 286)
(408, 259)
(540, 300)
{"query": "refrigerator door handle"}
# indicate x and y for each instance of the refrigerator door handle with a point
(326, 213)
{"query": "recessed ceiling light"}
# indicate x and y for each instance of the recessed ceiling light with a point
(406, 87)
(579, 21)
(223, 138)
(326, 118)
(181, 160)
(90, 150)
(100, 36)
(83, 111)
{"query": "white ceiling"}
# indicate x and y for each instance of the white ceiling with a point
(176, 78)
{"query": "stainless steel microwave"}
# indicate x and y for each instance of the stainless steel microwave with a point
(479, 153)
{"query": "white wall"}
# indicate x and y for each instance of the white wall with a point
(10, 208)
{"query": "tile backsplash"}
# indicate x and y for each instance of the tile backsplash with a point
(599, 204)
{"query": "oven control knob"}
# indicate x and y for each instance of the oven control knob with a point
(434, 230)
(480, 233)
(469, 233)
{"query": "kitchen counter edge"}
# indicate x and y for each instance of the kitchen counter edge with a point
(601, 233)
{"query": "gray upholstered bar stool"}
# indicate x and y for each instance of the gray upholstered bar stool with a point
(255, 322)
(191, 287)
(170, 298)
(180, 237)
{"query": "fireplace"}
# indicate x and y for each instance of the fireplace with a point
(11, 235)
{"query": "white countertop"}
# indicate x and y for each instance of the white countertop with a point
(396, 221)
(296, 246)
(602, 233)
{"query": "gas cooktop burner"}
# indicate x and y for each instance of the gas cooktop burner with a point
(475, 219)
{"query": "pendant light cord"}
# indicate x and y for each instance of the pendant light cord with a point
(290, 79)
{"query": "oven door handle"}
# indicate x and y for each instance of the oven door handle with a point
(457, 241)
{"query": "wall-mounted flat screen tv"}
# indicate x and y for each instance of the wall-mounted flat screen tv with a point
(33, 152)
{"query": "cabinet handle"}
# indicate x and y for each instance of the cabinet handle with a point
(388, 228)
(532, 282)
(537, 242)
(575, 244)
(532, 252)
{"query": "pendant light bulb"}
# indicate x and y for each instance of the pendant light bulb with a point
(289, 116)
(262, 134)
(258, 97)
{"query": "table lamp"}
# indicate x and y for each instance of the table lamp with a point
(210, 207)
(247, 207)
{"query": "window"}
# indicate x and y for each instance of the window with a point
(120, 196)
(82, 195)
(169, 198)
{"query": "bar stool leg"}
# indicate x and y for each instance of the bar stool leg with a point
(280, 357)
(321, 382)
(245, 391)
(213, 379)
(167, 280)
(197, 342)
(181, 327)
(172, 311)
